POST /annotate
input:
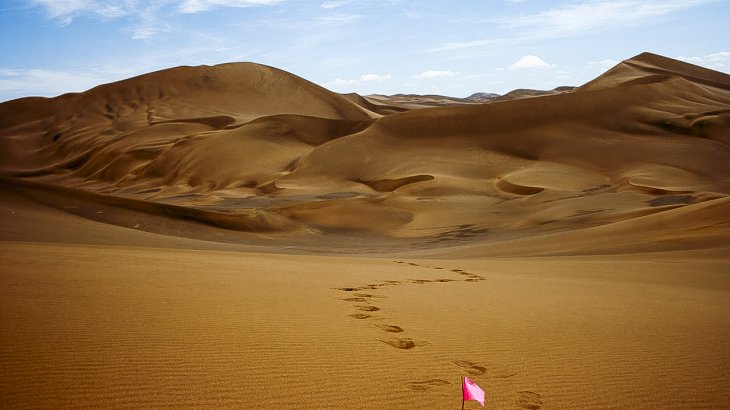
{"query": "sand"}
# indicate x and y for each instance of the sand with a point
(235, 236)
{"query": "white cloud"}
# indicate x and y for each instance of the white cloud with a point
(435, 74)
(66, 10)
(411, 14)
(149, 26)
(147, 31)
(60, 8)
(196, 6)
(339, 82)
(576, 19)
(365, 78)
(530, 62)
(335, 19)
(598, 14)
(719, 56)
(693, 60)
(47, 83)
(143, 12)
(607, 63)
(719, 61)
(456, 45)
(375, 77)
(332, 4)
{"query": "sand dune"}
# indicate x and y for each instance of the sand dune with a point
(244, 139)
(185, 237)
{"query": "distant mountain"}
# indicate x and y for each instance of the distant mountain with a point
(389, 104)
(482, 97)
(527, 93)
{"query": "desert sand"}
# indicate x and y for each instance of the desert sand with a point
(237, 236)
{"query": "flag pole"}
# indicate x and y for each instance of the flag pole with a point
(462, 392)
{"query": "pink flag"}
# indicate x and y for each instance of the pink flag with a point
(472, 391)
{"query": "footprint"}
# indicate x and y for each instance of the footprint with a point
(421, 281)
(424, 281)
(350, 289)
(405, 343)
(391, 328)
(528, 400)
(472, 277)
(471, 368)
(370, 286)
(360, 315)
(369, 308)
(361, 300)
(426, 384)
(367, 295)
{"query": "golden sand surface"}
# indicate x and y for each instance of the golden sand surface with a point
(116, 326)
(235, 236)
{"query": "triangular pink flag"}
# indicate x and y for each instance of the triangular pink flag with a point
(472, 391)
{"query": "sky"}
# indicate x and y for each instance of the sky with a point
(455, 48)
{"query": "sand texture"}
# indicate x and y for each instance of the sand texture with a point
(236, 236)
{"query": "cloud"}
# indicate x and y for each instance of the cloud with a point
(47, 83)
(143, 13)
(719, 56)
(365, 78)
(577, 19)
(692, 60)
(147, 31)
(607, 63)
(149, 26)
(456, 45)
(530, 62)
(336, 19)
(196, 6)
(332, 4)
(66, 10)
(719, 61)
(580, 17)
(435, 74)
(413, 15)
(375, 77)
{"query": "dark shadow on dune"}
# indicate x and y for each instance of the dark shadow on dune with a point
(387, 185)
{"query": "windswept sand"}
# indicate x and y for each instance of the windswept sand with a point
(235, 236)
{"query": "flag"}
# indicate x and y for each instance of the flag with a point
(472, 391)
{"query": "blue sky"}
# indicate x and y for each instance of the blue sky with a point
(457, 47)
